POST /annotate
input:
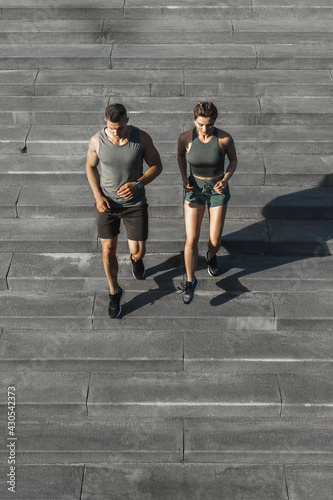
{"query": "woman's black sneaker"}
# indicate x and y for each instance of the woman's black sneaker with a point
(138, 269)
(189, 289)
(114, 304)
(212, 265)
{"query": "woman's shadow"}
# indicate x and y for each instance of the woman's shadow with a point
(295, 228)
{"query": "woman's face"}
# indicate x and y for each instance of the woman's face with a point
(205, 125)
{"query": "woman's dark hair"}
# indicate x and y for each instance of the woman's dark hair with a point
(115, 112)
(206, 109)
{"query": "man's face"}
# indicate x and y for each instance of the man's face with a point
(117, 130)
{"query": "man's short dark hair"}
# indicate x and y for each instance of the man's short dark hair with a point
(206, 109)
(115, 112)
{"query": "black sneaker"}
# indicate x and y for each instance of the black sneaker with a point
(114, 304)
(138, 269)
(212, 265)
(189, 289)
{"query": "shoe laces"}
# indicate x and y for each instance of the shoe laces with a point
(185, 287)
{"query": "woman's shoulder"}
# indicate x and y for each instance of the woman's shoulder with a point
(222, 134)
(186, 137)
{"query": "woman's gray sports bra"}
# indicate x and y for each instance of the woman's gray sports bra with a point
(205, 159)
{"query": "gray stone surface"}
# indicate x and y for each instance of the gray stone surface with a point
(268, 9)
(17, 82)
(140, 83)
(300, 237)
(44, 482)
(175, 31)
(259, 440)
(287, 32)
(297, 110)
(64, 110)
(184, 482)
(290, 56)
(239, 273)
(183, 394)
(306, 394)
(5, 261)
(8, 199)
(306, 483)
(255, 82)
(304, 310)
(32, 170)
(107, 350)
(258, 352)
(158, 310)
(100, 440)
(13, 139)
(53, 32)
(24, 311)
(227, 56)
(35, 56)
(56, 202)
(49, 235)
(300, 170)
(46, 394)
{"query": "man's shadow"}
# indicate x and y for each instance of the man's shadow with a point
(313, 205)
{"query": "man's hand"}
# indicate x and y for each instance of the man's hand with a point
(102, 204)
(127, 190)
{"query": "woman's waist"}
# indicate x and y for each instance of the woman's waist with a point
(215, 177)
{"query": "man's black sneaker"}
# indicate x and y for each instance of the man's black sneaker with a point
(114, 304)
(189, 289)
(138, 269)
(212, 265)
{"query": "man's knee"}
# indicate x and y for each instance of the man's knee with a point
(109, 247)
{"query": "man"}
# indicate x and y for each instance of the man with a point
(119, 192)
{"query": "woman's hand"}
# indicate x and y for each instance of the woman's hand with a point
(187, 185)
(220, 186)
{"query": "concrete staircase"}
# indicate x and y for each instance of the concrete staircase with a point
(231, 397)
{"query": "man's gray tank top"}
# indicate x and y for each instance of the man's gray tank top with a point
(121, 164)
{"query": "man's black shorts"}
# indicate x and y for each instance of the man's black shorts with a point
(135, 221)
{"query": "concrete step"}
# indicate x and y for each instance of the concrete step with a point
(64, 441)
(252, 170)
(167, 202)
(294, 56)
(140, 83)
(60, 170)
(287, 32)
(46, 394)
(183, 394)
(179, 56)
(13, 139)
(173, 83)
(258, 441)
(56, 480)
(53, 32)
(42, 350)
(230, 310)
(39, 310)
(105, 350)
(293, 237)
(214, 481)
(268, 9)
(38, 56)
(17, 82)
(254, 139)
(257, 82)
(78, 272)
(169, 111)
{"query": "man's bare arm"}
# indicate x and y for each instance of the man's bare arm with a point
(102, 203)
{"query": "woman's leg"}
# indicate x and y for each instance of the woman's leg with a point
(216, 224)
(193, 219)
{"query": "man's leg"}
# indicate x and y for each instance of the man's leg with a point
(110, 263)
(138, 251)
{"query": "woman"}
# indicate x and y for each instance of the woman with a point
(204, 148)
